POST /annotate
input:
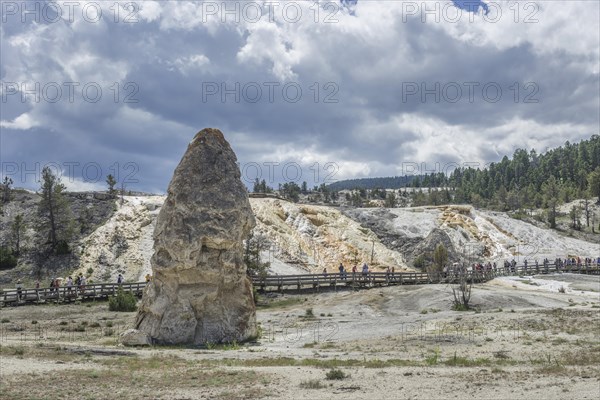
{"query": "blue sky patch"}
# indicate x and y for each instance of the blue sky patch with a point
(471, 5)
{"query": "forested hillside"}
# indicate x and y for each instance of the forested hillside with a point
(392, 182)
(528, 180)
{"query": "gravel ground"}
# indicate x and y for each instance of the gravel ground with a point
(522, 341)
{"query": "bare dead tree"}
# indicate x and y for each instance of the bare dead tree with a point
(462, 290)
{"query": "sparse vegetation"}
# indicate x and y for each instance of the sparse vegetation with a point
(475, 361)
(123, 301)
(336, 374)
(312, 384)
(458, 361)
(433, 359)
(147, 377)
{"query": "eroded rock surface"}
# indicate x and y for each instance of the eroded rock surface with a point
(133, 337)
(200, 292)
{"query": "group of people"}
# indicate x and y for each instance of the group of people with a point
(78, 284)
(527, 266)
(343, 273)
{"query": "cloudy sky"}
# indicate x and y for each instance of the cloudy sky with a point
(303, 90)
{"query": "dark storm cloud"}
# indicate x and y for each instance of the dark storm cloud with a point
(374, 122)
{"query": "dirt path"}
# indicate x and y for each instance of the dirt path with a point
(524, 341)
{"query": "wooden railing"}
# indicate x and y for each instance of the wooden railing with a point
(66, 294)
(281, 282)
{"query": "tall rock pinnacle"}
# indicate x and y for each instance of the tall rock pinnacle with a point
(200, 292)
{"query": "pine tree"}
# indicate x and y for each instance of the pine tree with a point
(57, 220)
(6, 189)
(440, 256)
(304, 188)
(575, 216)
(18, 229)
(256, 187)
(390, 200)
(594, 183)
(586, 206)
(111, 182)
(551, 192)
(255, 245)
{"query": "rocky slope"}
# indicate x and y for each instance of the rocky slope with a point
(305, 238)
(124, 244)
(317, 237)
(90, 211)
(471, 233)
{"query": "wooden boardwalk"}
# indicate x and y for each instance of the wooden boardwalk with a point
(281, 283)
(316, 281)
(65, 294)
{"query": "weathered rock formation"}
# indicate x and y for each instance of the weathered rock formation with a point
(200, 292)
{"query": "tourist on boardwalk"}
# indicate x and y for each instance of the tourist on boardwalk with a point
(354, 272)
(57, 285)
(69, 284)
(82, 283)
(37, 284)
(19, 289)
(388, 273)
(325, 272)
(342, 271)
(120, 279)
(365, 270)
(148, 278)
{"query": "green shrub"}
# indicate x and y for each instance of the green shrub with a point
(419, 262)
(7, 259)
(62, 247)
(123, 301)
(336, 374)
(460, 307)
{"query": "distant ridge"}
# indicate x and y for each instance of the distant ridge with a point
(392, 182)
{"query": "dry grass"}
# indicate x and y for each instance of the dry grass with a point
(154, 377)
